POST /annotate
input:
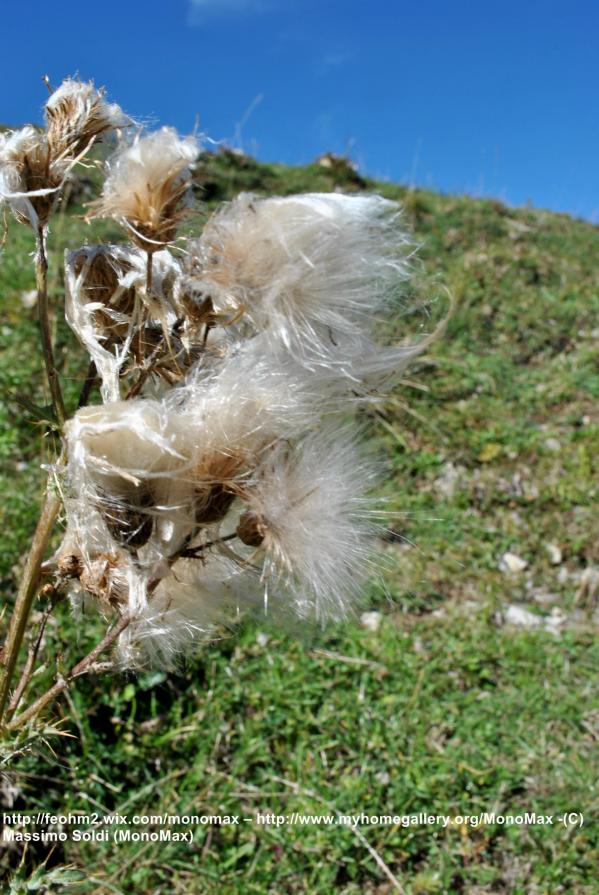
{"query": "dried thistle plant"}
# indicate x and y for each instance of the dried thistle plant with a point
(223, 469)
(34, 164)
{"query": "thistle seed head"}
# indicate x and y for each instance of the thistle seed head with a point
(251, 529)
(104, 273)
(127, 519)
(104, 578)
(77, 115)
(69, 565)
(147, 185)
(213, 504)
(30, 176)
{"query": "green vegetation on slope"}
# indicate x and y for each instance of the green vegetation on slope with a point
(490, 447)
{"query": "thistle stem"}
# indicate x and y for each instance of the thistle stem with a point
(41, 276)
(26, 594)
(31, 574)
(90, 380)
(65, 681)
(149, 273)
(193, 552)
(29, 666)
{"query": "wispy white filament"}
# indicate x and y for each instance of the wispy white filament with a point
(312, 501)
(146, 182)
(311, 273)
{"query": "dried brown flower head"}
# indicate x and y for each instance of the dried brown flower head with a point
(30, 176)
(147, 185)
(215, 488)
(104, 274)
(251, 529)
(77, 115)
(104, 577)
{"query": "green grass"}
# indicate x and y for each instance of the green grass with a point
(442, 710)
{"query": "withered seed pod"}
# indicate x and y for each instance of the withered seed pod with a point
(100, 579)
(101, 284)
(127, 521)
(213, 504)
(199, 307)
(70, 565)
(251, 529)
(146, 342)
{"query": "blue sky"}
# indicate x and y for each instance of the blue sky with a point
(490, 98)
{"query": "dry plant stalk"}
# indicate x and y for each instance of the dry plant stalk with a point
(223, 470)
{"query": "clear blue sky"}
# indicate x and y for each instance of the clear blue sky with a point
(490, 98)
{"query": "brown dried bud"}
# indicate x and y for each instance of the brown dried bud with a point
(77, 114)
(127, 520)
(147, 343)
(251, 529)
(70, 566)
(32, 176)
(101, 285)
(101, 580)
(213, 504)
(130, 527)
(199, 308)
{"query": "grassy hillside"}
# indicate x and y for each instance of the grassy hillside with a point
(490, 447)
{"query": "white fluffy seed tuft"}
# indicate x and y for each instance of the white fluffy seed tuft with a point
(147, 184)
(311, 507)
(78, 115)
(30, 177)
(312, 273)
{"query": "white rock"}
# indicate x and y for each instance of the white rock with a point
(446, 483)
(553, 445)
(589, 586)
(556, 621)
(555, 554)
(262, 638)
(521, 617)
(371, 620)
(511, 562)
(29, 299)
(563, 575)
(544, 597)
